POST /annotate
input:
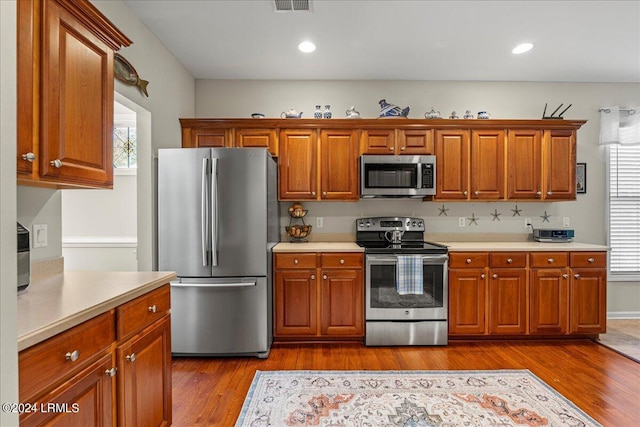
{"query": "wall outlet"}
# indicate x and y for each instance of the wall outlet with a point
(39, 236)
(527, 222)
(462, 221)
(319, 222)
(566, 221)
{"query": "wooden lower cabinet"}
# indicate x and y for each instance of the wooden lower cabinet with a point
(588, 290)
(508, 301)
(548, 301)
(467, 301)
(113, 369)
(321, 301)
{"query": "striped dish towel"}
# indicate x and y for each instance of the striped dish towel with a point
(409, 275)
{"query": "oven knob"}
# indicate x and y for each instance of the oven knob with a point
(419, 223)
(414, 223)
(368, 224)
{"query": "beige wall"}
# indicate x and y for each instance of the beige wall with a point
(513, 100)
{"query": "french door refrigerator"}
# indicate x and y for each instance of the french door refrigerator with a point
(218, 220)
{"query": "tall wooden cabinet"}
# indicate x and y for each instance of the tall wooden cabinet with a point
(65, 94)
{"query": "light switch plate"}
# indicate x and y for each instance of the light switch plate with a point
(39, 237)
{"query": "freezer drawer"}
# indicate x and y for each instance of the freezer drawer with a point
(221, 317)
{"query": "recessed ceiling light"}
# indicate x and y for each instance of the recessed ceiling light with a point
(306, 47)
(522, 48)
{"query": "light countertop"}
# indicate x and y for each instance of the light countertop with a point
(528, 246)
(56, 303)
(317, 247)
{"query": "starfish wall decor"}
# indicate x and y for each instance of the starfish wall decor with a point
(496, 215)
(443, 211)
(473, 219)
(516, 211)
(545, 217)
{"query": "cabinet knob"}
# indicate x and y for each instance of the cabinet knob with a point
(465, 192)
(295, 261)
(402, 148)
(565, 276)
(111, 372)
(153, 309)
(391, 148)
(342, 261)
(538, 193)
(131, 357)
(482, 276)
(468, 261)
(324, 276)
(313, 277)
(509, 260)
(324, 193)
(577, 276)
(56, 163)
(495, 276)
(72, 355)
(549, 193)
(476, 192)
(29, 157)
(550, 260)
(313, 193)
(591, 260)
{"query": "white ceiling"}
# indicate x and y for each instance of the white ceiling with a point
(575, 41)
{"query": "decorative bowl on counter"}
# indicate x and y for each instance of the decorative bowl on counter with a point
(298, 231)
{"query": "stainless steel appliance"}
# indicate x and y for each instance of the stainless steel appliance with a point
(397, 176)
(218, 220)
(391, 316)
(553, 235)
(24, 257)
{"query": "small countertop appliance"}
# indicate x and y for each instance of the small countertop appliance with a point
(553, 235)
(24, 258)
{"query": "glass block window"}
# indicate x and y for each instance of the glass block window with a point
(125, 153)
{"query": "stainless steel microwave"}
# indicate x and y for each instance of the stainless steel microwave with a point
(397, 176)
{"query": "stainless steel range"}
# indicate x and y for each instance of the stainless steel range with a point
(406, 293)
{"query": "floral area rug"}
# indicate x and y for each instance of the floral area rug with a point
(406, 399)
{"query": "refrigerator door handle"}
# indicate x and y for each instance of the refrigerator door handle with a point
(204, 212)
(214, 285)
(215, 211)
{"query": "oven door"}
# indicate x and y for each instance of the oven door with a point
(383, 302)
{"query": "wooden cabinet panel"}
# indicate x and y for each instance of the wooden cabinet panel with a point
(524, 164)
(258, 138)
(378, 141)
(588, 295)
(487, 164)
(508, 259)
(468, 259)
(508, 301)
(341, 302)
(559, 165)
(295, 260)
(297, 165)
(549, 259)
(295, 300)
(548, 301)
(339, 165)
(215, 138)
(467, 300)
(415, 141)
(144, 377)
(452, 164)
(342, 260)
(143, 311)
(84, 400)
(588, 259)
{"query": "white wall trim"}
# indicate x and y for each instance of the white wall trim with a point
(125, 171)
(623, 315)
(100, 242)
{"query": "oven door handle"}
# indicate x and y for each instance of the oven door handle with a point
(392, 259)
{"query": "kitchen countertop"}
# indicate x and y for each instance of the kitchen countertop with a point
(528, 246)
(56, 303)
(318, 247)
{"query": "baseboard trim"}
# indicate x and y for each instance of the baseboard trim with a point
(623, 315)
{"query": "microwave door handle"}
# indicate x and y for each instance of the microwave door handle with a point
(419, 177)
(204, 212)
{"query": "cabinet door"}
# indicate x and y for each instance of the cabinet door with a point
(588, 300)
(559, 165)
(415, 141)
(378, 141)
(487, 164)
(144, 377)
(215, 138)
(84, 400)
(508, 301)
(77, 102)
(258, 138)
(339, 165)
(524, 164)
(295, 301)
(27, 90)
(341, 303)
(452, 164)
(548, 301)
(298, 163)
(467, 301)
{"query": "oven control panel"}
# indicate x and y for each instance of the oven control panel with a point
(387, 223)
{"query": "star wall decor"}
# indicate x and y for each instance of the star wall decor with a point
(443, 211)
(545, 217)
(516, 211)
(473, 219)
(496, 215)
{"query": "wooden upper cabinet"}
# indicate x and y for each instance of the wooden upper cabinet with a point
(258, 138)
(559, 164)
(487, 164)
(524, 163)
(297, 164)
(452, 164)
(397, 141)
(215, 138)
(378, 141)
(339, 165)
(65, 94)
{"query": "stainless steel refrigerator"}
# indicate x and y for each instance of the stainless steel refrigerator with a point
(218, 220)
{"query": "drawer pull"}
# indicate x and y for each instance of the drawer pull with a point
(482, 276)
(29, 157)
(577, 276)
(131, 357)
(111, 372)
(72, 355)
(591, 260)
(313, 277)
(468, 261)
(549, 193)
(565, 276)
(495, 276)
(509, 260)
(324, 277)
(153, 309)
(341, 261)
(391, 148)
(56, 163)
(550, 260)
(295, 261)
(538, 193)
(465, 192)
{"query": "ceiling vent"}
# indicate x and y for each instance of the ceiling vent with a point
(292, 5)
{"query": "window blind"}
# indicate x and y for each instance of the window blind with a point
(624, 209)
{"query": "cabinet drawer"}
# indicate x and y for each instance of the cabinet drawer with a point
(589, 259)
(549, 259)
(46, 363)
(337, 260)
(508, 259)
(142, 311)
(296, 260)
(468, 259)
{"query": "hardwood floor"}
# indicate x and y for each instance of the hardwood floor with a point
(604, 384)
